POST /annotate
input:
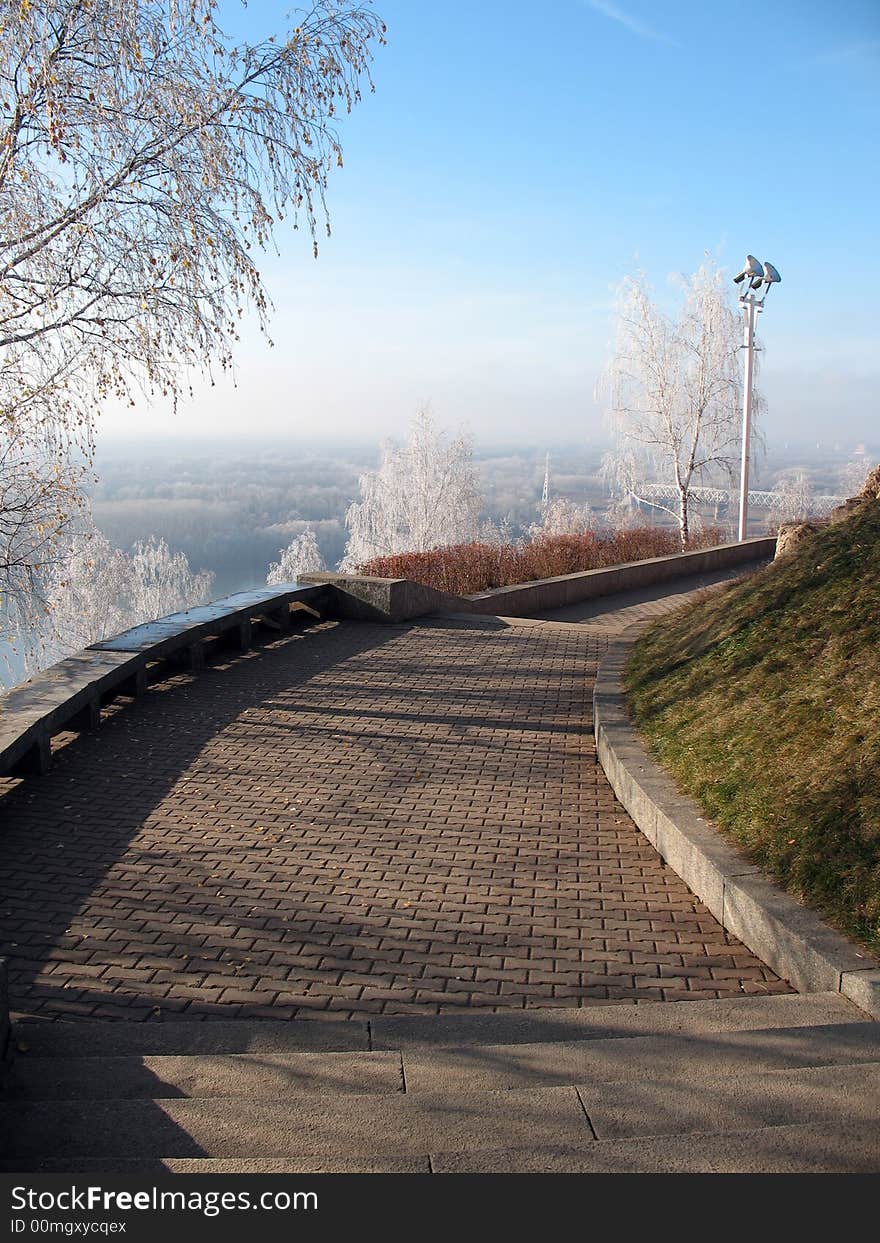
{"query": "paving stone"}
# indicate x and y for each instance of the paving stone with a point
(301, 822)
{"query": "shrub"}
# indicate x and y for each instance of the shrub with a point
(466, 568)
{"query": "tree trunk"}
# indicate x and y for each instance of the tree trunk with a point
(683, 527)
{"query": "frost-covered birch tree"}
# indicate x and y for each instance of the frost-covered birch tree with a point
(162, 582)
(301, 556)
(425, 494)
(672, 392)
(39, 499)
(145, 158)
(794, 497)
(93, 590)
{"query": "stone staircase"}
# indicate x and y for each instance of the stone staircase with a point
(775, 1083)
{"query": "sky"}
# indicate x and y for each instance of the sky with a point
(515, 163)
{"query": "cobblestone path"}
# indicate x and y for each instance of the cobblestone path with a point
(357, 819)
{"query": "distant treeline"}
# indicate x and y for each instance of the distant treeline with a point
(233, 507)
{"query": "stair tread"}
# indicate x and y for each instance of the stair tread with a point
(812, 1094)
(90, 1038)
(324, 1164)
(412, 1124)
(489, 1067)
(608, 1021)
(443, 1069)
(613, 1021)
(838, 1148)
(270, 1075)
(354, 1125)
(851, 1147)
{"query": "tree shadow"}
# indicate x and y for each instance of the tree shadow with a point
(336, 825)
(60, 834)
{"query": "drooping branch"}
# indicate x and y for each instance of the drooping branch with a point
(145, 159)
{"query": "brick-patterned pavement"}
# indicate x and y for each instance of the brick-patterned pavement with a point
(357, 819)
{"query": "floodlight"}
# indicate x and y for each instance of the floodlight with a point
(753, 270)
(769, 276)
(757, 275)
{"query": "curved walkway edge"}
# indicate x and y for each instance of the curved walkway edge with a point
(789, 938)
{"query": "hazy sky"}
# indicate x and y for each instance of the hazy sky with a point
(516, 161)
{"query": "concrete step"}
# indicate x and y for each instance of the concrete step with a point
(839, 1148)
(383, 1127)
(357, 1126)
(613, 1021)
(93, 1038)
(688, 1057)
(834, 1148)
(269, 1076)
(123, 1166)
(812, 1094)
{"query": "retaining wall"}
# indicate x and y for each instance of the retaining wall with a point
(398, 599)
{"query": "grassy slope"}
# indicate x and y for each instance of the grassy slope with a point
(764, 703)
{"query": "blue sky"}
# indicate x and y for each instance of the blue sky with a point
(516, 161)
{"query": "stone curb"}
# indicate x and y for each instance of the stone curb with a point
(791, 939)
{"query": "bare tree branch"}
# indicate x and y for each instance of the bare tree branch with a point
(144, 159)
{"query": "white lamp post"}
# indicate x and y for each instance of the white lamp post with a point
(757, 274)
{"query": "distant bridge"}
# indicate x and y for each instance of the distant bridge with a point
(819, 505)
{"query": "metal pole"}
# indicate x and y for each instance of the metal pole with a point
(750, 310)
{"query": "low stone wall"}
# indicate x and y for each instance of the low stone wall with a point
(398, 600)
(360, 597)
(70, 694)
(554, 593)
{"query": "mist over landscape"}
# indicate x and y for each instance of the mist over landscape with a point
(231, 506)
(509, 238)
